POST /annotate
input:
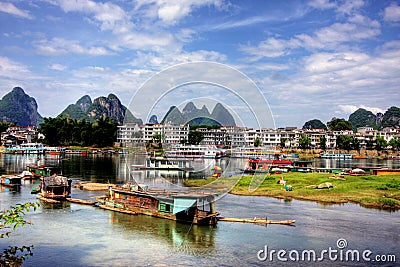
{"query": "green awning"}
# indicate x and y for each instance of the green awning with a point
(182, 204)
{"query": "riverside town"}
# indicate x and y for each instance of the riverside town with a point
(199, 133)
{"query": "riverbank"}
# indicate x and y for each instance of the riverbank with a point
(372, 191)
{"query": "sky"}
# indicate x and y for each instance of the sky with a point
(315, 59)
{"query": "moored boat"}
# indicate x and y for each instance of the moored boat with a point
(55, 187)
(10, 180)
(189, 206)
(266, 165)
(194, 151)
(162, 163)
(333, 155)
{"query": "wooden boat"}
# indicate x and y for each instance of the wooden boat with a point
(257, 221)
(10, 180)
(42, 170)
(81, 201)
(189, 206)
(55, 187)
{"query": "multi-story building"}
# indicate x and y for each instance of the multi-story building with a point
(235, 136)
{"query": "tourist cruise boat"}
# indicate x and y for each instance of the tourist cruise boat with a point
(333, 155)
(27, 148)
(163, 163)
(261, 152)
(258, 165)
(194, 151)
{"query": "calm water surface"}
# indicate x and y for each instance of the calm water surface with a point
(75, 235)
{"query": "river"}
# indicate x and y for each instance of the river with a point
(75, 235)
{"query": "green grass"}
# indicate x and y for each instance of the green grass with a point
(369, 191)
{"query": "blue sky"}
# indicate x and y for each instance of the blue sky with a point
(309, 59)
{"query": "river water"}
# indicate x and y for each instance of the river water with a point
(76, 235)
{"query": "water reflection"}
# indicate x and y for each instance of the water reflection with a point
(184, 238)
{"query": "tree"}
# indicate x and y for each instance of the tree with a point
(322, 142)
(380, 143)
(283, 142)
(314, 124)
(344, 142)
(304, 141)
(257, 142)
(370, 144)
(195, 137)
(10, 220)
(339, 125)
(355, 143)
(5, 125)
(395, 143)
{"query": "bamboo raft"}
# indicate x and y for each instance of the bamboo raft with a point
(258, 221)
(118, 210)
(81, 201)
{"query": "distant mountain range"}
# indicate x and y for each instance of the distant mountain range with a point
(21, 109)
(195, 117)
(109, 106)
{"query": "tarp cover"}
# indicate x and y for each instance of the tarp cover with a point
(181, 204)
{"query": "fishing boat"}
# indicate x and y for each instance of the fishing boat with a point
(188, 206)
(194, 151)
(10, 180)
(55, 187)
(162, 163)
(42, 170)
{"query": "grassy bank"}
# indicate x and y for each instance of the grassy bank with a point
(373, 191)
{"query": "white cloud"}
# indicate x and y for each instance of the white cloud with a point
(322, 4)
(334, 37)
(392, 13)
(348, 109)
(110, 16)
(13, 10)
(61, 46)
(172, 11)
(58, 67)
(12, 70)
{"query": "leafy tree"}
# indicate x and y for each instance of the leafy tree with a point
(314, 124)
(355, 143)
(195, 137)
(344, 142)
(370, 144)
(10, 220)
(322, 142)
(5, 125)
(257, 142)
(395, 143)
(304, 141)
(283, 142)
(339, 125)
(380, 143)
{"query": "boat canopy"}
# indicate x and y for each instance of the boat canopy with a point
(183, 204)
